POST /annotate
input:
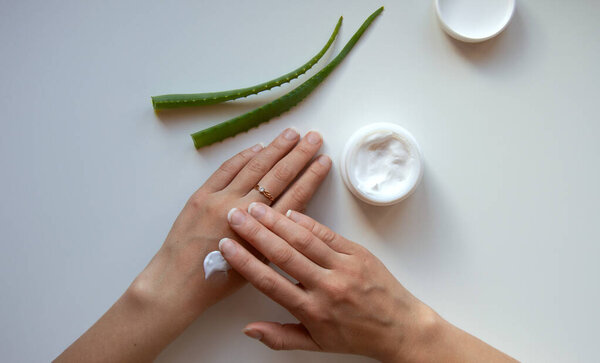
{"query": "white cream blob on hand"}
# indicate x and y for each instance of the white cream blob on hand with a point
(213, 263)
(381, 164)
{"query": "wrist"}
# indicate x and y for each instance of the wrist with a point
(152, 297)
(161, 288)
(423, 330)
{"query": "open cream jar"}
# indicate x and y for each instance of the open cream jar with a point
(381, 164)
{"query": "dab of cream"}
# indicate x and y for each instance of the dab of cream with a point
(213, 263)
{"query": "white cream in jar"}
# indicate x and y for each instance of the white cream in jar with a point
(381, 164)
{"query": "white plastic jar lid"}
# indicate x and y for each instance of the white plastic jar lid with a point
(474, 20)
(411, 179)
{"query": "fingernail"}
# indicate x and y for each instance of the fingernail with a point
(257, 210)
(288, 213)
(313, 137)
(290, 133)
(258, 147)
(235, 217)
(227, 247)
(252, 333)
(324, 160)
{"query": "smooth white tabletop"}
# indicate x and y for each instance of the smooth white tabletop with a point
(502, 238)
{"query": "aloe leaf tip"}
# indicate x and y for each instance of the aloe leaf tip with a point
(284, 103)
(199, 99)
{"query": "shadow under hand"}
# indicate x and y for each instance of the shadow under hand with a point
(216, 335)
(421, 227)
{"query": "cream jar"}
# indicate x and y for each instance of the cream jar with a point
(381, 164)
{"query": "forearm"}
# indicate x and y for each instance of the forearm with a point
(459, 346)
(438, 341)
(154, 310)
(172, 291)
(134, 329)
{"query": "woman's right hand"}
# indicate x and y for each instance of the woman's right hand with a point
(346, 300)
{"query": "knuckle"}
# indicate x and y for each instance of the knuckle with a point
(368, 264)
(278, 223)
(300, 194)
(305, 150)
(316, 315)
(201, 202)
(276, 343)
(252, 230)
(336, 289)
(244, 262)
(246, 154)
(283, 172)
(282, 256)
(303, 241)
(229, 166)
(281, 144)
(258, 166)
(309, 224)
(302, 307)
(266, 284)
(360, 251)
(213, 205)
(317, 170)
(327, 235)
(197, 201)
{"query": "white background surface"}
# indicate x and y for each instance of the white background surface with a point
(502, 237)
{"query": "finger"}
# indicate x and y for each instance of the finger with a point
(286, 170)
(297, 236)
(332, 239)
(274, 248)
(261, 276)
(281, 336)
(229, 169)
(260, 165)
(300, 193)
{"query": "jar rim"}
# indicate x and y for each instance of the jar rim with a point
(353, 143)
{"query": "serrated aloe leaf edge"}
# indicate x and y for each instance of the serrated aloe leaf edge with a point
(211, 98)
(280, 105)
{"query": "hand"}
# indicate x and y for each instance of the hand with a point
(346, 300)
(176, 275)
(171, 291)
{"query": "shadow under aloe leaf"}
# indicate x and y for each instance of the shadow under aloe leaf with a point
(206, 116)
(217, 112)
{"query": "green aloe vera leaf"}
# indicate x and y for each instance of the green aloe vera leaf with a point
(200, 99)
(280, 105)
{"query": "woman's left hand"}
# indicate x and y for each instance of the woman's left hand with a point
(175, 277)
(172, 291)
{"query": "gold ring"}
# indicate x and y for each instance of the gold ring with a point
(262, 191)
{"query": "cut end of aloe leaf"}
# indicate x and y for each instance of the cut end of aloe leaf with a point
(197, 144)
(211, 98)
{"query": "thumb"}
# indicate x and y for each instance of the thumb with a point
(281, 336)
